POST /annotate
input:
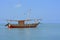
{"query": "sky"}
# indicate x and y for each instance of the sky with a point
(47, 10)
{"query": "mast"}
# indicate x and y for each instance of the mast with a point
(28, 15)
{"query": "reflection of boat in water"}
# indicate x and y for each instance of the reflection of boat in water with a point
(21, 24)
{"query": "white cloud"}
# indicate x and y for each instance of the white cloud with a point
(18, 5)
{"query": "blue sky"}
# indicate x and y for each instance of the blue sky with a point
(47, 10)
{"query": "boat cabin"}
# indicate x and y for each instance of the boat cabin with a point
(21, 22)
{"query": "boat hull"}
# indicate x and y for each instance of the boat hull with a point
(23, 26)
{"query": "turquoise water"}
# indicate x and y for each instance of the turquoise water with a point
(49, 31)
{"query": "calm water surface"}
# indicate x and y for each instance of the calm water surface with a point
(42, 32)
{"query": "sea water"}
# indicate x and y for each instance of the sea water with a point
(44, 31)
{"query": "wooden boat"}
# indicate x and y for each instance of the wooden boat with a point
(21, 24)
